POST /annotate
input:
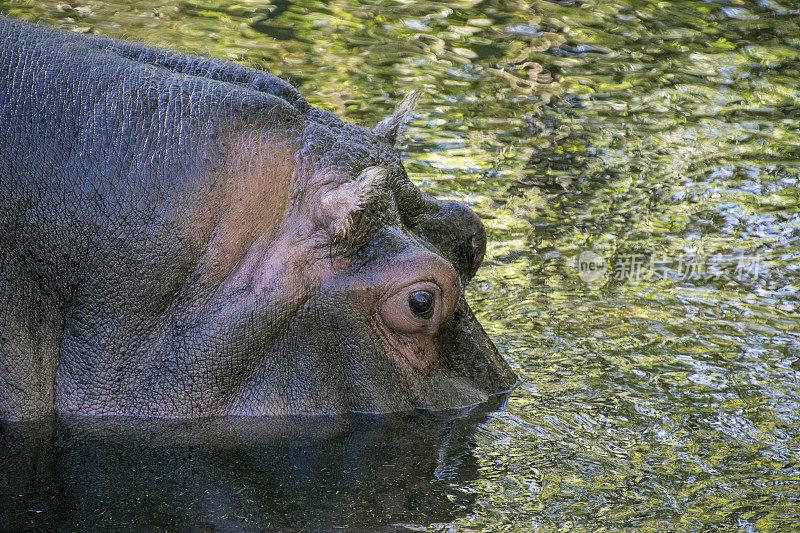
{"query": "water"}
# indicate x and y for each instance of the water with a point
(308, 473)
(662, 396)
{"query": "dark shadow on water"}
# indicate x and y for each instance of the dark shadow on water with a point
(363, 472)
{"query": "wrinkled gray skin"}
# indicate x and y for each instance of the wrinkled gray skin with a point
(186, 237)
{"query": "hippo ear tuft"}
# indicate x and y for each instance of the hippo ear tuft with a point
(388, 128)
(341, 206)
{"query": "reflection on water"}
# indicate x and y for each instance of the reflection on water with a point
(663, 131)
(319, 473)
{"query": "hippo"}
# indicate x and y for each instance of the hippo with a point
(186, 237)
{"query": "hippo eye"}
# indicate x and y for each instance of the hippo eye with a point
(415, 308)
(421, 303)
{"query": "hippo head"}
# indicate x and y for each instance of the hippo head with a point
(375, 319)
(197, 240)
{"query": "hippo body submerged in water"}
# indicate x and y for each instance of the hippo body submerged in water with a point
(183, 237)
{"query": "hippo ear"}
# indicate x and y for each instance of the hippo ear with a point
(340, 207)
(388, 128)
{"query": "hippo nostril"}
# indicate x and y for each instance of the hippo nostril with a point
(456, 232)
(478, 244)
